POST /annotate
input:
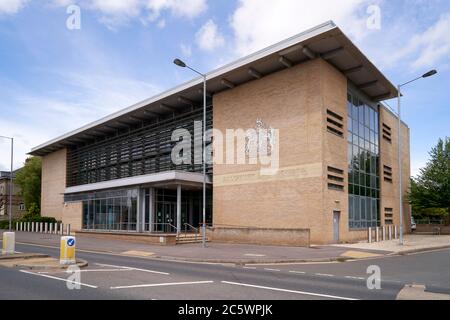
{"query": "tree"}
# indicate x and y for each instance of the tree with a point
(29, 180)
(431, 188)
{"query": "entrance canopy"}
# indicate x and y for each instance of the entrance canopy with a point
(165, 179)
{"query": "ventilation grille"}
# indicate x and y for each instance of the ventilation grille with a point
(387, 174)
(387, 133)
(335, 124)
(388, 216)
(336, 179)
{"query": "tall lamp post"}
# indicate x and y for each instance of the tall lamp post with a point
(426, 75)
(181, 64)
(11, 178)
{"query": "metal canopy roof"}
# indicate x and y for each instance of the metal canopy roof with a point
(325, 41)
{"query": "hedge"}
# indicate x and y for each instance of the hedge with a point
(4, 224)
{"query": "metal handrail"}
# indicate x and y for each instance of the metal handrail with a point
(186, 225)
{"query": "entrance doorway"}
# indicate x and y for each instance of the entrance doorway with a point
(336, 223)
(166, 217)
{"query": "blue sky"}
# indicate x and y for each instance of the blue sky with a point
(53, 80)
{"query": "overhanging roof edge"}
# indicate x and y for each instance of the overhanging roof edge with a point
(322, 28)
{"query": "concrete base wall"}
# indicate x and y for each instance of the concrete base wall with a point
(259, 236)
(163, 240)
(431, 228)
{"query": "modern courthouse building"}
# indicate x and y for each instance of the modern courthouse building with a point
(338, 160)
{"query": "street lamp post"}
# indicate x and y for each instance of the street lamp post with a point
(426, 75)
(11, 179)
(181, 64)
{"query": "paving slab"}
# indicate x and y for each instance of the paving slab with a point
(412, 243)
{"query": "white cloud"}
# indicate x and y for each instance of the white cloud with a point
(186, 50)
(178, 8)
(208, 37)
(257, 24)
(88, 98)
(11, 6)
(115, 13)
(428, 48)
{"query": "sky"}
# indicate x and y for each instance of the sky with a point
(66, 63)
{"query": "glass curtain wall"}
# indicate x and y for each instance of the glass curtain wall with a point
(363, 161)
(115, 211)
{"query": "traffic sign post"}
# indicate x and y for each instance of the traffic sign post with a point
(67, 251)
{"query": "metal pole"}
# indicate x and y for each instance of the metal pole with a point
(11, 186)
(400, 188)
(204, 162)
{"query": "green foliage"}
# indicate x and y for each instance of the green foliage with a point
(431, 189)
(37, 218)
(432, 213)
(34, 210)
(29, 180)
(4, 224)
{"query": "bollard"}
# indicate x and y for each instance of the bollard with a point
(32, 226)
(370, 235)
(395, 233)
(390, 232)
(21, 226)
(46, 227)
(51, 228)
(61, 230)
(67, 251)
(17, 226)
(56, 228)
(9, 243)
(384, 233)
(68, 229)
(41, 227)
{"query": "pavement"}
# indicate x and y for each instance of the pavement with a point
(412, 243)
(214, 253)
(118, 277)
(245, 254)
(35, 261)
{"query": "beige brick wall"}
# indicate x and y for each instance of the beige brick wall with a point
(53, 184)
(72, 214)
(389, 157)
(293, 102)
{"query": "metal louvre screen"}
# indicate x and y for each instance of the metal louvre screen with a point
(138, 151)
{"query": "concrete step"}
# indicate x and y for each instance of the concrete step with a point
(190, 238)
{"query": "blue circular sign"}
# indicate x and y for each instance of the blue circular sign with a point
(71, 242)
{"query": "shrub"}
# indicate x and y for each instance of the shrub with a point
(37, 218)
(4, 224)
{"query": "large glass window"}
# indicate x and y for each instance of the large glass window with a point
(110, 211)
(363, 162)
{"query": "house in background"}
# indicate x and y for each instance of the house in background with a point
(18, 205)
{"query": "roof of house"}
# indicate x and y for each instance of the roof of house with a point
(326, 41)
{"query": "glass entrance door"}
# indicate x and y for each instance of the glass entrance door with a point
(166, 217)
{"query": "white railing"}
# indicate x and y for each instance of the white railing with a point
(384, 233)
(44, 227)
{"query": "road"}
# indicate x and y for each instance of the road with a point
(120, 277)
